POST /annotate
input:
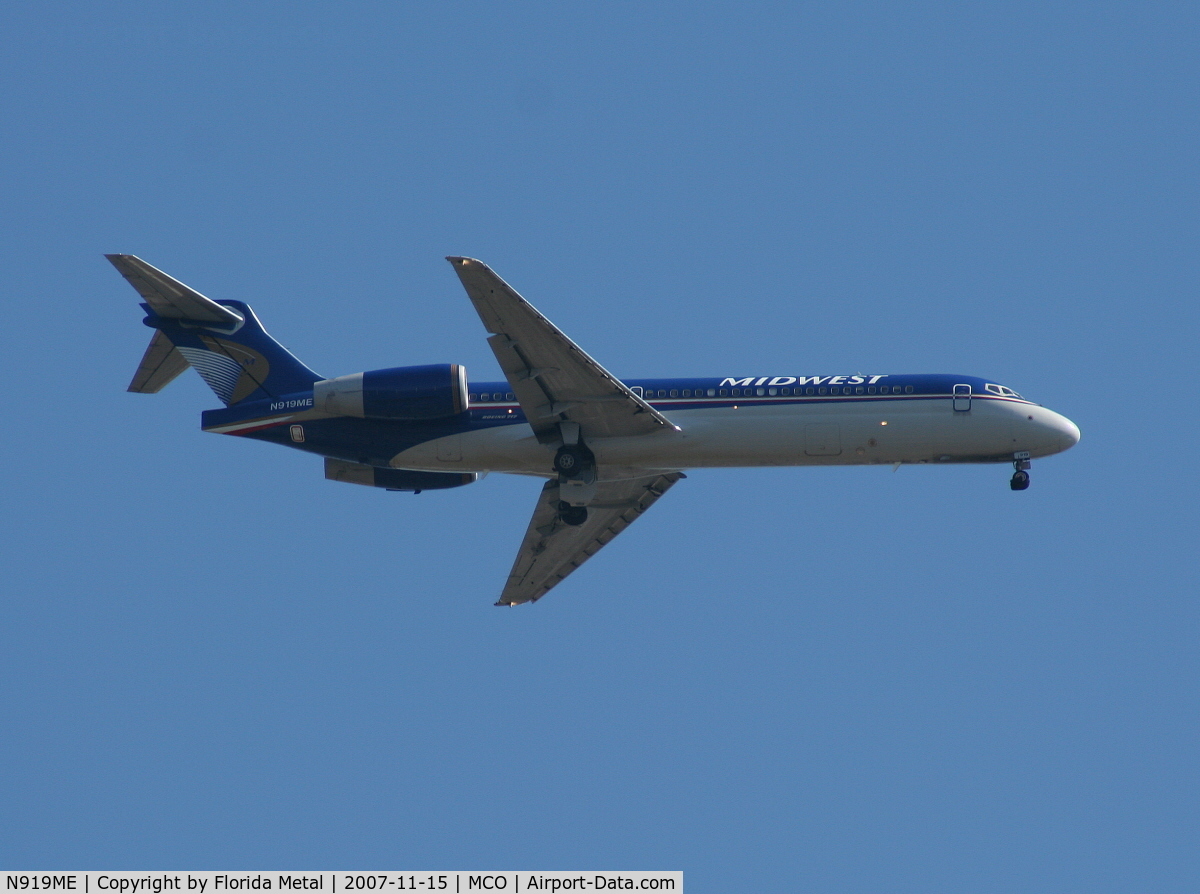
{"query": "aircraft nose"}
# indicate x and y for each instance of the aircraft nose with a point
(1068, 434)
(1066, 431)
(1047, 432)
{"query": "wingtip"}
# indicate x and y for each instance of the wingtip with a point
(458, 261)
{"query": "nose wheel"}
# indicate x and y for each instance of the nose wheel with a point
(1020, 478)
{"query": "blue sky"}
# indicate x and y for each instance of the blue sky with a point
(802, 679)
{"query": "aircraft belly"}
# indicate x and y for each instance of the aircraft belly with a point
(503, 448)
(821, 434)
(852, 433)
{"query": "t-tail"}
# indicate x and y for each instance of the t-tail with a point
(223, 341)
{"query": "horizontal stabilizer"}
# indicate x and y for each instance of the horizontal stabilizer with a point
(168, 297)
(161, 363)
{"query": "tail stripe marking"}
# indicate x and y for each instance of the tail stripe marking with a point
(221, 372)
(243, 428)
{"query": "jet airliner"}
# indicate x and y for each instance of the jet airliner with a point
(606, 448)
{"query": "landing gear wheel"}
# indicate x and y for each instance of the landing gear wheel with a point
(571, 460)
(572, 515)
(1020, 480)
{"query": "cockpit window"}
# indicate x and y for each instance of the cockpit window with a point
(1003, 391)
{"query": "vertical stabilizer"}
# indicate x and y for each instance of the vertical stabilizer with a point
(223, 341)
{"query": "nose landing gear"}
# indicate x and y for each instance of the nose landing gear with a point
(1020, 478)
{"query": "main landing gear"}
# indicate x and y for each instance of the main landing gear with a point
(571, 515)
(573, 460)
(576, 467)
(1020, 478)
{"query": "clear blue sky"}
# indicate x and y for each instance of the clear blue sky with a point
(793, 680)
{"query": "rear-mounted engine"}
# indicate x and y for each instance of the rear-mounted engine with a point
(407, 393)
(395, 479)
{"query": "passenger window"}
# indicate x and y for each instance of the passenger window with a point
(510, 396)
(712, 392)
(895, 389)
(687, 392)
(858, 390)
(809, 390)
(674, 392)
(723, 393)
(821, 390)
(472, 397)
(908, 389)
(737, 392)
(770, 391)
(871, 389)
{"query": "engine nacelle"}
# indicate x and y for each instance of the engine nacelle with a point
(395, 479)
(408, 393)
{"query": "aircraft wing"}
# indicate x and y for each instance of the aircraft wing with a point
(551, 549)
(553, 378)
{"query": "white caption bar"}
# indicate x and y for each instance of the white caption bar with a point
(341, 882)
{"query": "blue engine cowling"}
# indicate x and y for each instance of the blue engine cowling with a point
(408, 393)
(395, 479)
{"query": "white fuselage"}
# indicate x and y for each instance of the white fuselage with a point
(907, 429)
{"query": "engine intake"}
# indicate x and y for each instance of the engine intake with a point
(407, 393)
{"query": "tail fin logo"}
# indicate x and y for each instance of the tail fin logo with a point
(231, 370)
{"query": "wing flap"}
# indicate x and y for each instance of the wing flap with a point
(551, 549)
(553, 378)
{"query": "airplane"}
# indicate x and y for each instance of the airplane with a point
(606, 448)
